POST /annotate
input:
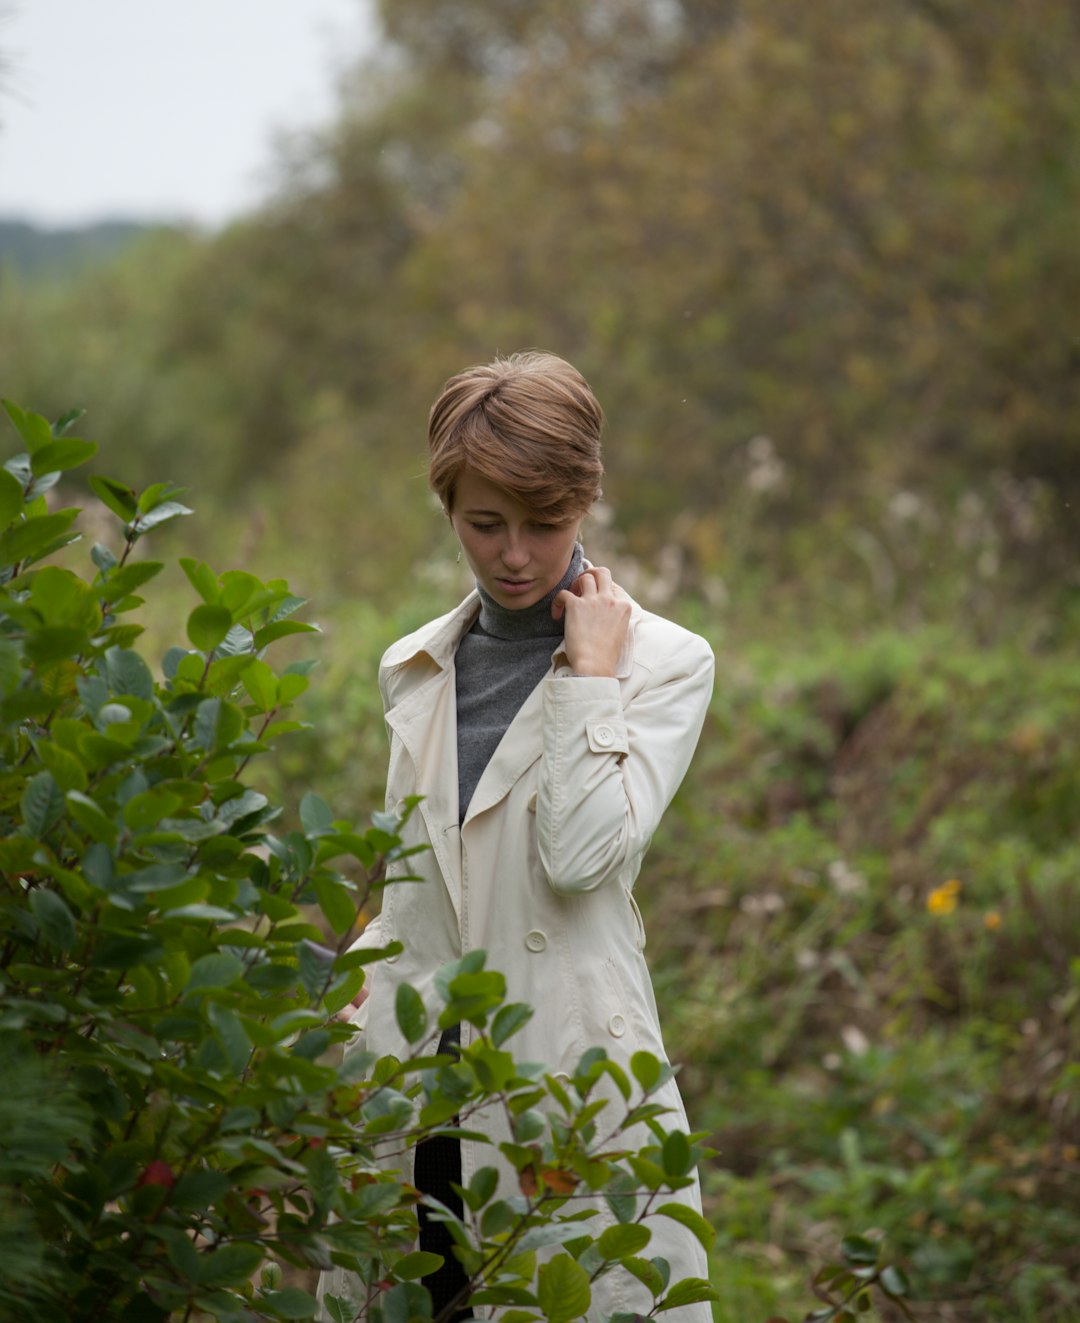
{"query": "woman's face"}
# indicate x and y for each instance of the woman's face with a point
(516, 558)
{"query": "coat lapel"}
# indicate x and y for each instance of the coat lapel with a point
(426, 723)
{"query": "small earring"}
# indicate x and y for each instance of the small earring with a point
(459, 555)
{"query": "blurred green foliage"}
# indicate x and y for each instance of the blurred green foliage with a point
(819, 263)
(813, 258)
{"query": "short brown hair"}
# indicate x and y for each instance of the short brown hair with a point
(528, 423)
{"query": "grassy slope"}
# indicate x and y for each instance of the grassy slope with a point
(865, 928)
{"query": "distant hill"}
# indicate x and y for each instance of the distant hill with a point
(33, 250)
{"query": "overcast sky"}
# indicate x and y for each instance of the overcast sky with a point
(160, 109)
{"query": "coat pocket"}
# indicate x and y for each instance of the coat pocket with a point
(639, 923)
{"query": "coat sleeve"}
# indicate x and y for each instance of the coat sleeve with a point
(608, 772)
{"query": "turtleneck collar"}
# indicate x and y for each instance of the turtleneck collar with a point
(530, 622)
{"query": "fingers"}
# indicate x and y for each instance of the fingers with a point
(593, 583)
(595, 579)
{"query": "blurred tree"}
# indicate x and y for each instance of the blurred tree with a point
(847, 231)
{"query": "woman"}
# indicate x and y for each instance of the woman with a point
(546, 721)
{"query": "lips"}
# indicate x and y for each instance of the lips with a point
(514, 586)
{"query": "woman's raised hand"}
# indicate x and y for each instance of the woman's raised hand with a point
(597, 617)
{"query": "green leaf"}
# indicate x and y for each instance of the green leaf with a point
(231, 1035)
(156, 878)
(290, 1303)
(151, 497)
(859, 1252)
(366, 955)
(128, 579)
(58, 456)
(647, 1274)
(529, 1125)
(690, 1291)
(279, 630)
(91, 818)
(619, 1242)
(339, 1309)
(417, 1264)
(405, 1303)
(410, 1013)
(145, 810)
(56, 920)
(343, 991)
(675, 1154)
(509, 1020)
(894, 1282)
(217, 723)
(563, 1289)
(648, 1173)
(691, 1219)
(160, 514)
(11, 498)
(337, 902)
(207, 626)
(102, 557)
(67, 771)
(472, 996)
(33, 535)
(645, 1069)
(67, 419)
(231, 1265)
(553, 1233)
(315, 815)
(17, 854)
(482, 1187)
(337, 843)
(33, 429)
(202, 579)
(217, 970)
(261, 684)
(119, 498)
(51, 548)
(290, 687)
(198, 1189)
(235, 811)
(42, 804)
(127, 673)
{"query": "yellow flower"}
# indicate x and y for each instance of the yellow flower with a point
(942, 900)
(992, 919)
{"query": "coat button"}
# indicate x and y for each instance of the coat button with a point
(535, 940)
(616, 1026)
(603, 735)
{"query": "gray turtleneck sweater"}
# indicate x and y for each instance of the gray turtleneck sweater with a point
(500, 661)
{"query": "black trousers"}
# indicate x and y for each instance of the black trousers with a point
(438, 1163)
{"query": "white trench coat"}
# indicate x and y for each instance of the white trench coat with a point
(540, 874)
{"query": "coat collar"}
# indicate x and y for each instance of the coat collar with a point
(439, 640)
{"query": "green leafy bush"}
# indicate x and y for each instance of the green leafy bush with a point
(179, 1122)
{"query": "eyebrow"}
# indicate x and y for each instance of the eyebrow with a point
(497, 514)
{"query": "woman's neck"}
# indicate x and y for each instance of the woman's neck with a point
(530, 621)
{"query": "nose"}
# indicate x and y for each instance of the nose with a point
(515, 551)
